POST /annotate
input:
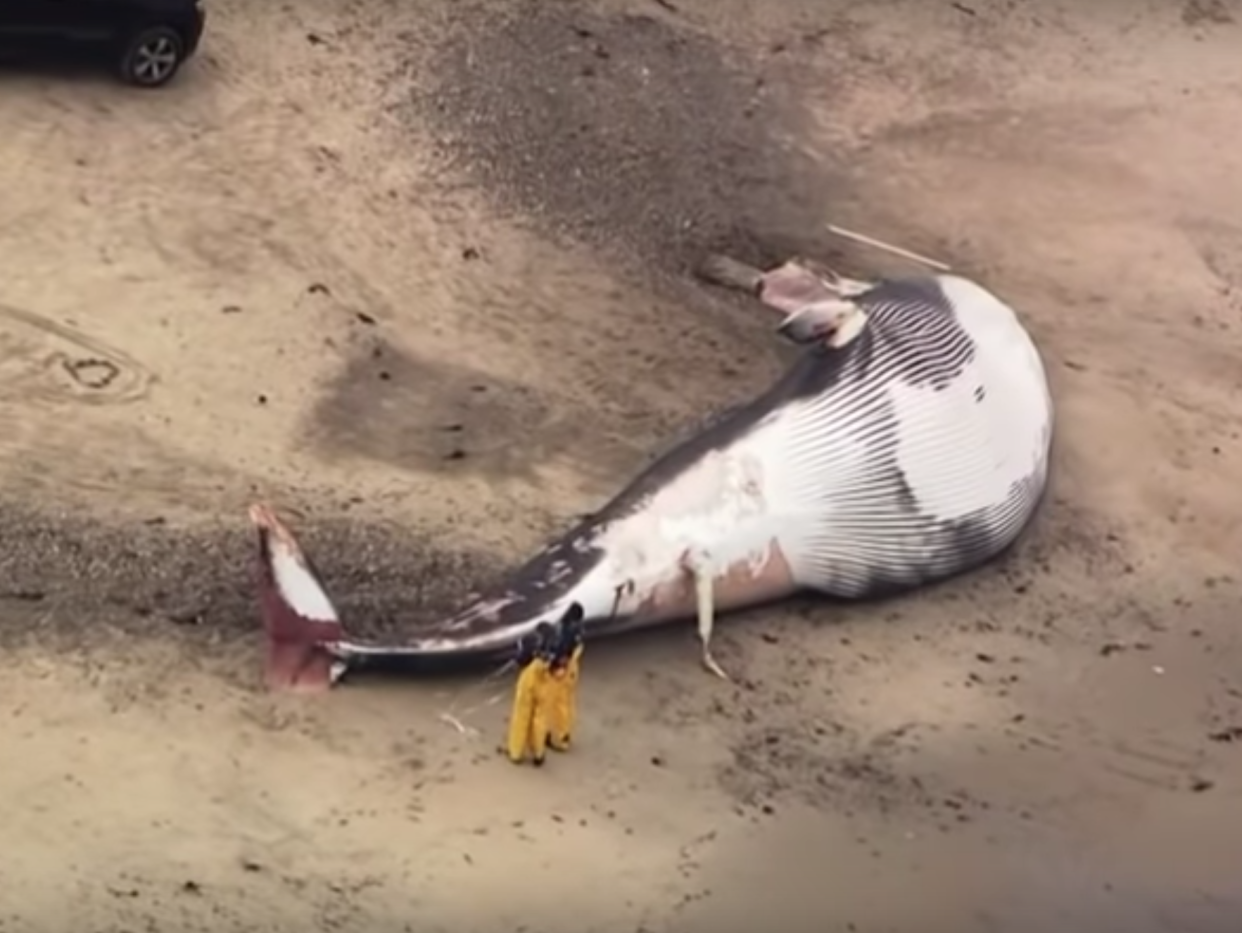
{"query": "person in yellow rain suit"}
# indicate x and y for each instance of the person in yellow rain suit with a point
(544, 702)
(528, 722)
(561, 687)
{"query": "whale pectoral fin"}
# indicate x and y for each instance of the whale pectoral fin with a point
(707, 613)
(705, 604)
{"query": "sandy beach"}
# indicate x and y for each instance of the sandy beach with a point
(418, 274)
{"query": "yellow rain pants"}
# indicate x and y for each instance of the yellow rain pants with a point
(528, 721)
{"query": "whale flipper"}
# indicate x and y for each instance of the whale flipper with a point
(298, 616)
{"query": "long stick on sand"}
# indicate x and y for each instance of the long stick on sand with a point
(887, 247)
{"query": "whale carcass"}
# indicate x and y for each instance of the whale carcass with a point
(908, 442)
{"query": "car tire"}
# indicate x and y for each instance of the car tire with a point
(151, 57)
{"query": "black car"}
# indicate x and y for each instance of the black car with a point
(146, 41)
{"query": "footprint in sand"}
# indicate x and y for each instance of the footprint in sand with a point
(42, 360)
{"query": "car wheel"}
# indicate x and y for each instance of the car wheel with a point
(152, 57)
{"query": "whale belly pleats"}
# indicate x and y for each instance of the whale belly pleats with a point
(915, 451)
(927, 454)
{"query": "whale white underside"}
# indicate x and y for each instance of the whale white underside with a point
(925, 458)
(888, 479)
(888, 482)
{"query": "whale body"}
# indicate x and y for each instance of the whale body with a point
(908, 442)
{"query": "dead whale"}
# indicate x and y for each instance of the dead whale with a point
(907, 443)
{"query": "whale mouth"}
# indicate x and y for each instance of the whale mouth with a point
(816, 301)
(299, 619)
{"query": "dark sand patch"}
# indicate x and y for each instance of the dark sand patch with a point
(625, 130)
(154, 579)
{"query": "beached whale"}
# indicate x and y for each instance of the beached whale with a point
(908, 442)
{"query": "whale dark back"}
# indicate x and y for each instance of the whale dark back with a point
(913, 320)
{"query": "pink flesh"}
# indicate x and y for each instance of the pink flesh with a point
(297, 668)
(791, 287)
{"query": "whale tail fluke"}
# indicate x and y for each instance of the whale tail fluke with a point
(299, 619)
